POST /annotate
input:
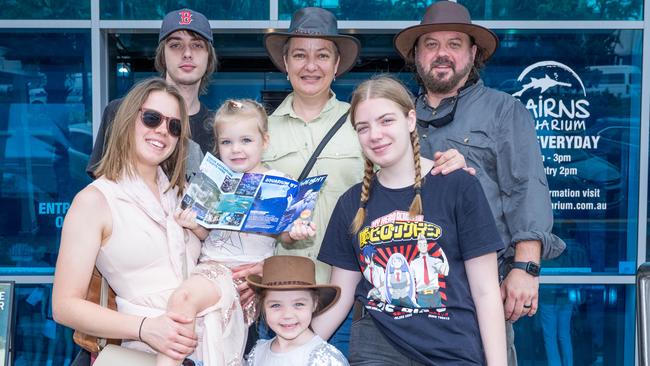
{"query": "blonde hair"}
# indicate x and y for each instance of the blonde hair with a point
(387, 88)
(119, 156)
(237, 110)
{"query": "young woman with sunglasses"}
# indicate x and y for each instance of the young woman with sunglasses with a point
(123, 223)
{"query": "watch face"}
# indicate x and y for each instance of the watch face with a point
(533, 268)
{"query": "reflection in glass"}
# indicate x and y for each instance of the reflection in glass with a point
(156, 9)
(583, 89)
(45, 139)
(556, 307)
(579, 325)
(37, 9)
(479, 9)
(554, 9)
(244, 67)
(38, 340)
(580, 85)
(358, 9)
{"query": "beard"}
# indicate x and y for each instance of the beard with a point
(435, 83)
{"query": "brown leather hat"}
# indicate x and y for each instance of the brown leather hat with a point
(287, 272)
(313, 22)
(445, 16)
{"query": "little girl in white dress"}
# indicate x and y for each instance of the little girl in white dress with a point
(289, 297)
(240, 129)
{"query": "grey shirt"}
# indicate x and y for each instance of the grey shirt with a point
(496, 135)
(194, 158)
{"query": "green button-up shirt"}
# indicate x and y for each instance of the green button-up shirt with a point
(291, 145)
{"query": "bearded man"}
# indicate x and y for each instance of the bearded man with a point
(496, 135)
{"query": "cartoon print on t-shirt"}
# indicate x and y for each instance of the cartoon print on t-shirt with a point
(426, 269)
(374, 273)
(400, 288)
(405, 265)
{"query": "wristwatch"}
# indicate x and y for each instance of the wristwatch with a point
(531, 268)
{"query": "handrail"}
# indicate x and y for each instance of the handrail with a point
(642, 312)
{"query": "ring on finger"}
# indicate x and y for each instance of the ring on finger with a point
(528, 306)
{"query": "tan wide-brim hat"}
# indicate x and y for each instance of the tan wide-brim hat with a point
(445, 16)
(313, 22)
(290, 273)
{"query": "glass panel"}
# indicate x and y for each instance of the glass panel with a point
(583, 89)
(479, 9)
(244, 56)
(589, 130)
(54, 9)
(38, 340)
(554, 9)
(579, 325)
(156, 9)
(132, 58)
(45, 140)
(358, 9)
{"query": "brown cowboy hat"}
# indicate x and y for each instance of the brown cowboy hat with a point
(313, 22)
(445, 16)
(286, 273)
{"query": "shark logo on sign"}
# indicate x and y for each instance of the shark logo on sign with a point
(544, 91)
(541, 84)
(547, 82)
(557, 99)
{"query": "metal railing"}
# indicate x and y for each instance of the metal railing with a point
(643, 311)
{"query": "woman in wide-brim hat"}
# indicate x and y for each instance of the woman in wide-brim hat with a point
(312, 53)
(313, 22)
(289, 297)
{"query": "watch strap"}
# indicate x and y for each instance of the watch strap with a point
(531, 267)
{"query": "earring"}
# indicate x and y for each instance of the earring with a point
(287, 77)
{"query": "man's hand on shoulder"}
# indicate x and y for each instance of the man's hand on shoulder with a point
(449, 161)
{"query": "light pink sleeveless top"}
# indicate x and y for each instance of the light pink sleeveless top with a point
(135, 259)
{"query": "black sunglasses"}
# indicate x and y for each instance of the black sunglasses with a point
(444, 120)
(153, 119)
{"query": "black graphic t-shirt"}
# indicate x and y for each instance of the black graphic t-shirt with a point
(414, 282)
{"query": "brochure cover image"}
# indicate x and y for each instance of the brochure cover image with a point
(224, 199)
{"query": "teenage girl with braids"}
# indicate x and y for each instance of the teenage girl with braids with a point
(428, 290)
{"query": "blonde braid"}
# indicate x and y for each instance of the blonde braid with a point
(368, 173)
(416, 205)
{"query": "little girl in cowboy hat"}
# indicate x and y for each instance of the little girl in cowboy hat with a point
(289, 297)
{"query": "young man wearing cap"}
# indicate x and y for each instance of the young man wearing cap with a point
(185, 57)
(495, 133)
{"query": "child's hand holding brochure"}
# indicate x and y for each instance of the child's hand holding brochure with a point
(261, 203)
